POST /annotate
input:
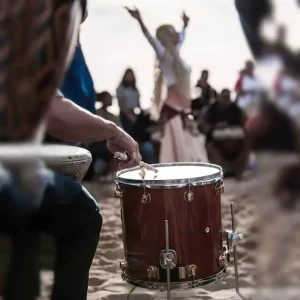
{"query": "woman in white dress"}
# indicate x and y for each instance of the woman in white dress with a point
(180, 142)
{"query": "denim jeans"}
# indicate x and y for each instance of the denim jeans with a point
(127, 125)
(72, 216)
(147, 152)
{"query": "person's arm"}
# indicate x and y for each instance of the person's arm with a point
(68, 121)
(186, 21)
(181, 38)
(157, 46)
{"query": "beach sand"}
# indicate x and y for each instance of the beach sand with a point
(105, 277)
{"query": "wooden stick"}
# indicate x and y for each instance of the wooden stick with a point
(125, 156)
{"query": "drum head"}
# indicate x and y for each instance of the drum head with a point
(176, 174)
(14, 153)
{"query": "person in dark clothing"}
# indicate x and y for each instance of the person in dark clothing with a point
(142, 134)
(273, 129)
(207, 93)
(226, 140)
(100, 153)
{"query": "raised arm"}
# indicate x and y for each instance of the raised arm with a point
(157, 46)
(186, 21)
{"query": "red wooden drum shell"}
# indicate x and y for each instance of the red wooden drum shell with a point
(195, 228)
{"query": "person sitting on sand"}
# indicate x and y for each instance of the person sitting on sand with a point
(128, 97)
(67, 211)
(142, 134)
(208, 93)
(226, 140)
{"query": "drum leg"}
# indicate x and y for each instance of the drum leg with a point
(168, 260)
(232, 238)
(130, 292)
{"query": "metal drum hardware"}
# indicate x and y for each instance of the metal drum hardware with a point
(195, 189)
(219, 188)
(188, 195)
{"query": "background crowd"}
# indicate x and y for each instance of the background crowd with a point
(221, 117)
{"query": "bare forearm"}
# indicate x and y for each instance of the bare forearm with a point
(142, 25)
(68, 121)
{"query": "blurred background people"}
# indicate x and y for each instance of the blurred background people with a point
(128, 97)
(102, 165)
(208, 93)
(226, 141)
(141, 131)
(249, 90)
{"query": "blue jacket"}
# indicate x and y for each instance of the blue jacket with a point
(78, 84)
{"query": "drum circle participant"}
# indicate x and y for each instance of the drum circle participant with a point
(178, 143)
(34, 55)
(39, 52)
(227, 142)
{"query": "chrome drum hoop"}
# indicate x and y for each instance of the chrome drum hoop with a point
(162, 286)
(176, 183)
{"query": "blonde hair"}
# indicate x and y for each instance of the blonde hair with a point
(163, 34)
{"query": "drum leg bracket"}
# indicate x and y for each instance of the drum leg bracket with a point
(233, 237)
(168, 260)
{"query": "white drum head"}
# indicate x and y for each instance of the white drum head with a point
(16, 153)
(173, 174)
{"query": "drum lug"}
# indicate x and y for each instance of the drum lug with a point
(219, 187)
(191, 271)
(224, 257)
(153, 273)
(188, 195)
(123, 265)
(118, 193)
(146, 198)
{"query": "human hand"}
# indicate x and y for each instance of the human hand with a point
(185, 19)
(123, 142)
(134, 13)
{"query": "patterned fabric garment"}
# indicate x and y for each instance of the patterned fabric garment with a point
(34, 52)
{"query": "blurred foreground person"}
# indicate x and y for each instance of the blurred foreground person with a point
(67, 211)
(35, 54)
(275, 130)
(179, 143)
(78, 84)
(227, 143)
